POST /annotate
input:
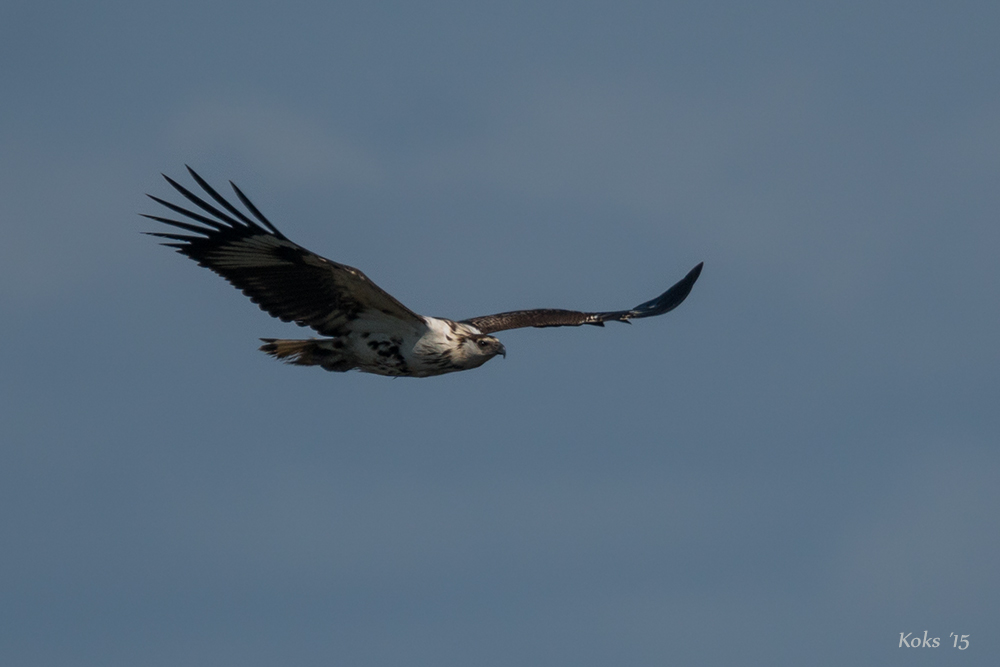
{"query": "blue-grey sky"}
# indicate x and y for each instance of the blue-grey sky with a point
(794, 467)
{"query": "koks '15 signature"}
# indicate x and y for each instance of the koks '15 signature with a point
(959, 642)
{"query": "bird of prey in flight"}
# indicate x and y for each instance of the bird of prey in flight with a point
(362, 326)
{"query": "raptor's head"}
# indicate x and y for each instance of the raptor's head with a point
(482, 347)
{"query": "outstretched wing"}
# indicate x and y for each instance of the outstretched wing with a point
(570, 318)
(283, 278)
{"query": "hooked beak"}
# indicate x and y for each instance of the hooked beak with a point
(503, 351)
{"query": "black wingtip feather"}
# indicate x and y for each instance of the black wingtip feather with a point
(220, 199)
(670, 299)
(173, 237)
(181, 225)
(201, 203)
(253, 209)
(224, 220)
(194, 216)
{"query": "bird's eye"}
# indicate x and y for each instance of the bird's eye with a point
(483, 342)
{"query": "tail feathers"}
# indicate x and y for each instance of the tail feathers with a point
(312, 352)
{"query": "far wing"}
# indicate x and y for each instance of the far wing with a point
(518, 319)
(283, 278)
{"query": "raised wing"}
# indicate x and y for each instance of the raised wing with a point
(283, 278)
(518, 319)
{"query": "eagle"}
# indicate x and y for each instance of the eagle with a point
(362, 326)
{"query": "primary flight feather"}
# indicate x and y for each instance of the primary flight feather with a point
(364, 327)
